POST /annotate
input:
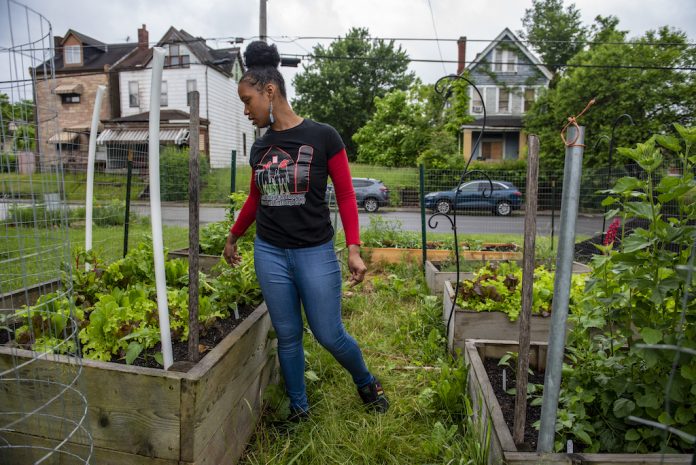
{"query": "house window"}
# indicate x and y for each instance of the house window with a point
(73, 54)
(133, 94)
(505, 61)
(70, 98)
(476, 103)
(529, 95)
(503, 100)
(164, 101)
(176, 58)
(190, 87)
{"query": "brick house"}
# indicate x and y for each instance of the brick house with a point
(64, 106)
(190, 64)
(509, 78)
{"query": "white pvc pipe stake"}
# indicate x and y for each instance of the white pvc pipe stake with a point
(91, 156)
(156, 206)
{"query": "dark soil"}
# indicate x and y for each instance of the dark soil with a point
(208, 339)
(500, 248)
(507, 401)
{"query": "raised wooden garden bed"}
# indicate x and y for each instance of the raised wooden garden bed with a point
(436, 278)
(469, 324)
(205, 262)
(491, 251)
(502, 449)
(399, 255)
(151, 416)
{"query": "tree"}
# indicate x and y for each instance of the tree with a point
(21, 114)
(341, 83)
(554, 33)
(397, 132)
(415, 126)
(638, 78)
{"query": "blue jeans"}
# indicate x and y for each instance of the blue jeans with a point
(310, 276)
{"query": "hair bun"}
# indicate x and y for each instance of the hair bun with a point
(259, 53)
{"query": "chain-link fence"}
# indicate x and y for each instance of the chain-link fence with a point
(489, 201)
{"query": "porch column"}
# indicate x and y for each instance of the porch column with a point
(466, 144)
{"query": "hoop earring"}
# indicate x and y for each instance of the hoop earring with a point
(270, 113)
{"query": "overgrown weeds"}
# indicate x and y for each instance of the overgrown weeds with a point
(399, 327)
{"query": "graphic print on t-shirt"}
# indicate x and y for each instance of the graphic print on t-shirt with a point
(281, 180)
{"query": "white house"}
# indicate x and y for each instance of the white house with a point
(190, 64)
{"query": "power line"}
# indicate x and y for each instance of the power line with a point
(62, 75)
(286, 39)
(432, 17)
(437, 39)
(559, 65)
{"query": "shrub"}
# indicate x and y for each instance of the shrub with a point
(8, 163)
(174, 172)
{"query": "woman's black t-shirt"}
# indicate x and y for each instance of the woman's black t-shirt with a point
(291, 171)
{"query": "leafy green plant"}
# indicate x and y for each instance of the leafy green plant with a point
(236, 286)
(497, 287)
(47, 322)
(213, 237)
(448, 392)
(636, 296)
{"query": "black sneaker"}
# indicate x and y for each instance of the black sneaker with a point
(373, 396)
(297, 415)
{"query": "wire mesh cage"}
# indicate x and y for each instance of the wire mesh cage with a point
(43, 410)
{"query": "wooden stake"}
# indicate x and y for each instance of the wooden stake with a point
(194, 187)
(530, 215)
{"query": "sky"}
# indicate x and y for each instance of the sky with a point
(117, 21)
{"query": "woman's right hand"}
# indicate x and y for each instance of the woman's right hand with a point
(231, 254)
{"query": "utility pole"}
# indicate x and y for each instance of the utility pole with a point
(262, 21)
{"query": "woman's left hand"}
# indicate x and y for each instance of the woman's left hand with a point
(355, 265)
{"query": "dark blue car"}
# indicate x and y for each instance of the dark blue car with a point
(477, 195)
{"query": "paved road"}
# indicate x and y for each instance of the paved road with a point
(410, 220)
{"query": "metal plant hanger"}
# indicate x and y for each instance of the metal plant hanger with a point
(443, 86)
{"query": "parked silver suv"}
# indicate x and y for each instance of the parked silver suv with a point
(370, 194)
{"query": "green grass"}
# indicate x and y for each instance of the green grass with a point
(43, 251)
(106, 186)
(217, 189)
(399, 329)
(391, 177)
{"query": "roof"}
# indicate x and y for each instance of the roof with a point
(165, 116)
(177, 136)
(100, 54)
(75, 88)
(85, 39)
(222, 59)
(508, 35)
(63, 137)
(497, 121)
(136, 59)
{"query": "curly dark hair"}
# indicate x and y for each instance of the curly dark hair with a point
(262, 62)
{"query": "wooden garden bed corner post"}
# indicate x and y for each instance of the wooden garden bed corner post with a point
(194, 187)
(530, 214)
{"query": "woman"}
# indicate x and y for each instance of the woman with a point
(293, 251)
